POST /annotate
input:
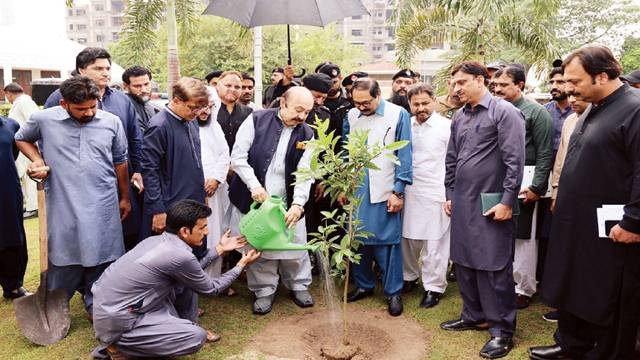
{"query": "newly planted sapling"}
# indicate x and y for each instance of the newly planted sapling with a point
(339, 167)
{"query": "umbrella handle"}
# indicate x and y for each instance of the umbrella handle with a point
(42, 226)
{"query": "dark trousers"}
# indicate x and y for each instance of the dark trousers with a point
(489, 296)
(389, 259)
(13, 264)
(72, 278)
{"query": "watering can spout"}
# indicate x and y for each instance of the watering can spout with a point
(265, 228)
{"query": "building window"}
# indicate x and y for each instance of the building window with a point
(357, 17)
(356, 32)
(116, 21)
(70, 26)
(117, 6)
(81, 12)
(70, 12)
(99, 38)
(82, 27)
(391, 47)
(115, 36)
(98, 7)
(82, 40)
(100, 22)
(391, 31)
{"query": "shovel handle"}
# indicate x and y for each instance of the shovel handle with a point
(42, 226)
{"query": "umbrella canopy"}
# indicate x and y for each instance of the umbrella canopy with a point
(252, 13)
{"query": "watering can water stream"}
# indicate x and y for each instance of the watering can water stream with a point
(265, 228)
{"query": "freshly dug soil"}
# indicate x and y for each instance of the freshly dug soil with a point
(373, 335)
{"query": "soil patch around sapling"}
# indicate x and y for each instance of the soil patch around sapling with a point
(373, 335)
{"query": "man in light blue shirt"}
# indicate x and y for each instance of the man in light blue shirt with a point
(82, 158)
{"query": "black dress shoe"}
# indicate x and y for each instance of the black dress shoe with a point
(395, 305)
(407, 286)
(358, 294)
(522, 301)
(552, 352)
(430, 299)
(497, 347)
(461, 325)
(451, 275)
(15, 294)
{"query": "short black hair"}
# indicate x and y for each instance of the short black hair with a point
(213, 74)
(135, 71)
(472, 68)
(14, 88)
(246, 76)
(555, 71)
(367, 83)
(420, 88)
(79, 89)
(185, 213)
(515, 72)
(595, 60)
(89, 55)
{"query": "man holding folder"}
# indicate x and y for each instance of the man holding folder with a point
(486, 155)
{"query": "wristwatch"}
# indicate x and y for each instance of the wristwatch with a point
(399, 195)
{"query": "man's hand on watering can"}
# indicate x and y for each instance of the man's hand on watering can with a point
(293, 215)
(230, 243)
(259, 194)
(249, 257)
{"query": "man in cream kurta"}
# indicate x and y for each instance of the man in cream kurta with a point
(266, 153)
(425, 228)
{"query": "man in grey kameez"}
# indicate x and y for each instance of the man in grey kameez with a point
(145, 302)
(485, 155)
(86, 187)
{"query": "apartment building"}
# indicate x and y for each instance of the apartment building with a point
(96, 22)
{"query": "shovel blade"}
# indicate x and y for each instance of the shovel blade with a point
(44, 316)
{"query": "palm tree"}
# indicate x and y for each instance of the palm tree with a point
(141, 21)
(479, 29)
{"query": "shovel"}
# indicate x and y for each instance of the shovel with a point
(43, 317)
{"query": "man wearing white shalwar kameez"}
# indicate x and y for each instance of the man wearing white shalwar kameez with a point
(216, 162)
(425, 230)
(269, 148)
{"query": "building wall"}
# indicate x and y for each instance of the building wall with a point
(96, 23)
(376, 34)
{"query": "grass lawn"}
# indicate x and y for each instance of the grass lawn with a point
(232, 318)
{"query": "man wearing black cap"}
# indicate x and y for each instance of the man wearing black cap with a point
(337, 104)
(319, 85)
(212, 77)
(347, 83)
(277, 74)
(632, 78)
(402, 80)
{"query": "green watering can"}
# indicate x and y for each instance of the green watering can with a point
(265, 229)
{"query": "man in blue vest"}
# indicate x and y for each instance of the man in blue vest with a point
(269, 148)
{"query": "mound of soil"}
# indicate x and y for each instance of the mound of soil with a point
(373, 335)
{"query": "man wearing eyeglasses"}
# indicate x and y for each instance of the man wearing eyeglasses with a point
(382, 192)
(172, 161)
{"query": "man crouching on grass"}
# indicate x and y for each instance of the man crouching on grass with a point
(146, 304)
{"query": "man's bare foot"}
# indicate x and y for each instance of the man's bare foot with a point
(212, 337)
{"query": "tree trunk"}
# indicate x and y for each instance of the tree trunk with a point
(173, 62)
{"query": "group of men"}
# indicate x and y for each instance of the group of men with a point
(126, 187)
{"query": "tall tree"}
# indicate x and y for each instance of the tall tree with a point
(142, 19)
(630, 58)
(479, 29)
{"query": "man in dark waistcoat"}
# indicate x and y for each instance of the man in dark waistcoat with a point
(269, 148)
